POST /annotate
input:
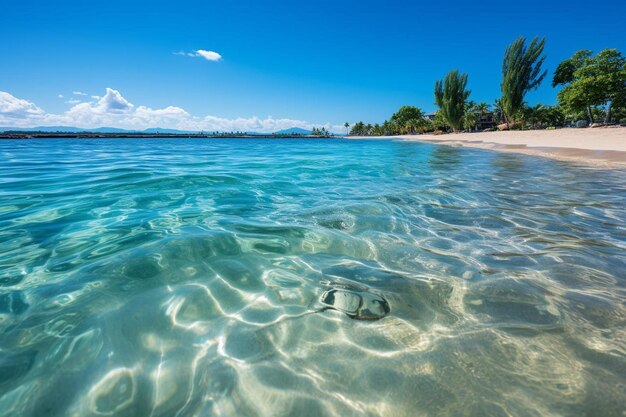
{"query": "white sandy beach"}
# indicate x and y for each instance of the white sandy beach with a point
(597, 146)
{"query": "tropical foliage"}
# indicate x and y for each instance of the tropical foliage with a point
(407, 120)
(592, 81)
(521, 73)
(323, 132)
(474, 114)
(451, 97)
(594, 87)
(541, 117)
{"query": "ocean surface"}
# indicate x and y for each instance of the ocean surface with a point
(187, 277)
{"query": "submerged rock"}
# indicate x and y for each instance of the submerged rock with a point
(357, 305)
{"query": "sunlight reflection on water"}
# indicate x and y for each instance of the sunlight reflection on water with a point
(183, 278)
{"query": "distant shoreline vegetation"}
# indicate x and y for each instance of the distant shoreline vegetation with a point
(593, 90)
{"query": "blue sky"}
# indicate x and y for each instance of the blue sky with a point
(308, 63)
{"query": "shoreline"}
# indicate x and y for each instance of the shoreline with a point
(601, 147)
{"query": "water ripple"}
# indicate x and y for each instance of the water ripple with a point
(183, 278)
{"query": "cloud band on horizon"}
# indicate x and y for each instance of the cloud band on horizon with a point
(113, 110)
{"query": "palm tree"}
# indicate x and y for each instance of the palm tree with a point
(473, 114)
(470, 119)
(347, 126)
(358, 129)
(521, 73)
(387, 128)
(377, 130)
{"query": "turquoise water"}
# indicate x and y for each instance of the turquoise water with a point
(183, 278)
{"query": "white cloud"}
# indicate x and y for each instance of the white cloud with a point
(79, 93)
(209, 55)
(109, 109)
(113, 110)
(170, 111)
(11, 106)
(60, 96)
(112, 101)
(202, 53)
(73, 101)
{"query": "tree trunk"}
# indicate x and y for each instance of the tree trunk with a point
(590, 114)
(607, 118)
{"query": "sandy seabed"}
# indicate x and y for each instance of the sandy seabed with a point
(595, 146)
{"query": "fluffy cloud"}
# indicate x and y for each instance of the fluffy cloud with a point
(113, 102)
(209, 55)
(103, 111)
(13, 108)
(202, 53)
(79, 93)
(113, 110)
(170, 111)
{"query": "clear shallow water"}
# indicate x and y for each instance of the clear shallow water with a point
(182, 278)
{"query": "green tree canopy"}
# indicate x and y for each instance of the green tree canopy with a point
(521, 73)
(320, 132)
(387, 128)
(592, 81)
(451, 97)
(358, 129)
(377, 130)
(406, 113)
(564, 73)
(406, 120)
(440, 123)
(540, 116)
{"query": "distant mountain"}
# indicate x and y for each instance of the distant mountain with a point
(293, 131)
